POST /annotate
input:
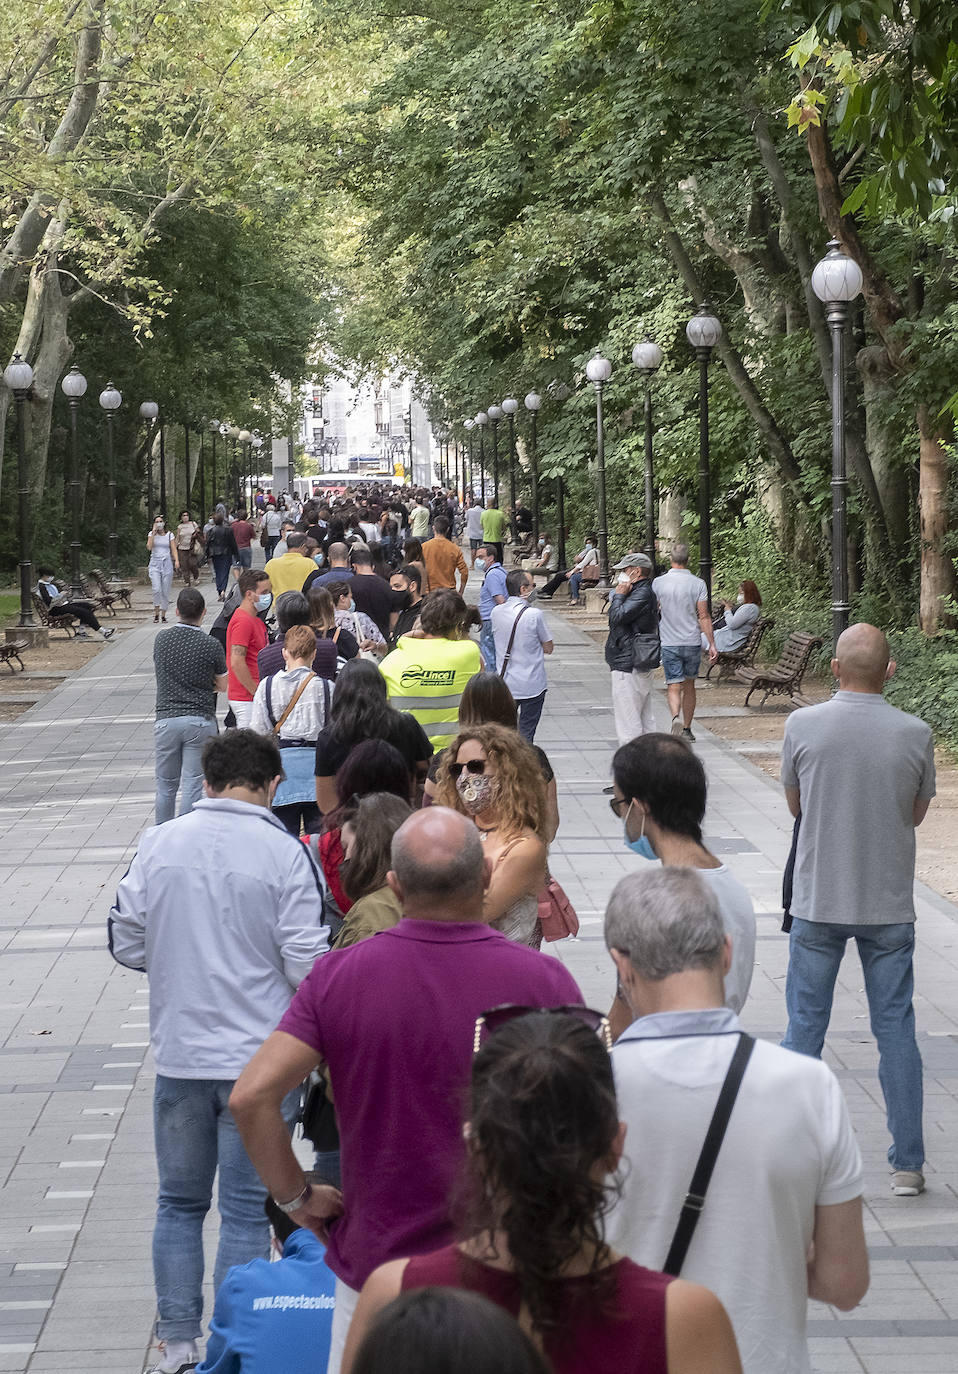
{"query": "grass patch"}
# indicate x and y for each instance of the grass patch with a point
(9, 606)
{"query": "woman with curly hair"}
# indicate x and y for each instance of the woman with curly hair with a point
(544, 1139)
(493, 775)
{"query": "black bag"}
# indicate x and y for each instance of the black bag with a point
(318, 1116)
(646, 652)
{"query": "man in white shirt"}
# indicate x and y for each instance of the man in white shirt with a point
(523, 668)
(781, 1220)
(225, 941)
(273, 524)
(683, 619)
(474, 528)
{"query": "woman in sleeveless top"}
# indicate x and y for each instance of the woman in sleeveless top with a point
(163, 559)
(492, 775)
(543, 1139)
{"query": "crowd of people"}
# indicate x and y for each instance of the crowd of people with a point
(342, 926)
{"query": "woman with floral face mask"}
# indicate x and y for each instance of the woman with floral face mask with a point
(492, 775)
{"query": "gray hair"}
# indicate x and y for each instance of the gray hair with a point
(665, 921)
(438, 875)
(680, 554)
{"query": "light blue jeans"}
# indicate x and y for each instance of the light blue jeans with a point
(487, 646)
(815, 954)
(179, 745)
(195, 1135)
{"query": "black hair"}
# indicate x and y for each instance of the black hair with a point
(663, 773)
(338, 589)
(360, 710)
(411, 573)
(44, 571)
(361, 557)
(486, 700)
(441, 525)
(515, 581)
(292, 608)
(446, 1331)
(376, 819)
(542, 1117)
(190, 603)
(241, 758)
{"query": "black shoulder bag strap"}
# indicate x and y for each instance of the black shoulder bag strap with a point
(695, 1198)
(512, 640)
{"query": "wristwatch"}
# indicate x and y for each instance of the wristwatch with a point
(299, 1201)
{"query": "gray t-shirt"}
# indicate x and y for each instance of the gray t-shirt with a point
(679, 593)
(186, 660)
(859, 764)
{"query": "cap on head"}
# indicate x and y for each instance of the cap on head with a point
(632, 560)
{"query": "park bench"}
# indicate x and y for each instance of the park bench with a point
(12, 650)
(785, 678)
(744, 657)
(99, 600)
(64, 621)
(524, 549)
(119, 591)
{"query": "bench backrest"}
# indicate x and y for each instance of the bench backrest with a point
(798, 649)
(755, 636)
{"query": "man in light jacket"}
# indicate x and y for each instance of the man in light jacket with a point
(632, 614)
(223, 909)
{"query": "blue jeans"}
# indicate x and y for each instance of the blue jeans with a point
(530, 712)
(487, 646)
(244, 557)
(574, 580)
(815, 954)
(195, 1135)
(221, 569)
(179, 745)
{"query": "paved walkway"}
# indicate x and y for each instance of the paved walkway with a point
(76, 1166)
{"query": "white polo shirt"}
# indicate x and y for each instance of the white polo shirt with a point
(789, 1148)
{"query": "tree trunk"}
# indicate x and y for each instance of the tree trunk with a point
(938, 578)
(671, 511)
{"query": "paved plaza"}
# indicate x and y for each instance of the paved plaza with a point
(76, 1206)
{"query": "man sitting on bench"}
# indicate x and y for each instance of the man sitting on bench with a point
(60, 604)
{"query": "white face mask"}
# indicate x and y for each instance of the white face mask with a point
(588, 544)
(740, 598)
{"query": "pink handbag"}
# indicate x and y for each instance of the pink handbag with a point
(556, 913)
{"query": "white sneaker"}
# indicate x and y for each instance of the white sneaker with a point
(176, 1357)
(907, 1182)
(677, 725)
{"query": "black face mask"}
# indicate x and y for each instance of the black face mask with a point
(406, 601)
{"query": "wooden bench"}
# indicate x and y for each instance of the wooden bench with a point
(64, 621)
(785, 678)
(12, 650)
(119, 591)
(521, 550)
(730, 659)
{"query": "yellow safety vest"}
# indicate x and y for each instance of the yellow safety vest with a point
(426, 677)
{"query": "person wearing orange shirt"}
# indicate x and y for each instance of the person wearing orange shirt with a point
(444, 559)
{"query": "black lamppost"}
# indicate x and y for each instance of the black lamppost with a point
(202, 510)
(110, 401)
(233, 433)
(149, 410)
(647, 357)
(162, 468)
(215, 428)
(469, 480)
(244, 439)
(703, 332)
(409, 425)
(533, 405)
(510, 406)
(73, 387)
(495, 414)
(255, 450)
(482, 419)
(599, 370)
(18, 376)
(836, 280)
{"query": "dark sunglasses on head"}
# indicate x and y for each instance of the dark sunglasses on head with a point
(475, 766)
(497, 1017)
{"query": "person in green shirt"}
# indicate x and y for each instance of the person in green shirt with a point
(494, 525)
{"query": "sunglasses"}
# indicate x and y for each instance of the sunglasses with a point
(475, 766)
(497, 1017)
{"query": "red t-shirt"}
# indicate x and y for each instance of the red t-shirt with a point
(243, 533)
(249, 631)
(624, 1334)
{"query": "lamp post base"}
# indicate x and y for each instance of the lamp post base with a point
(34, 636)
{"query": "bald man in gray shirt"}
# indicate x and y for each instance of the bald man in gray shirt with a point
(862, 774)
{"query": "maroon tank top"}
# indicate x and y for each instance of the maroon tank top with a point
(624, 1334)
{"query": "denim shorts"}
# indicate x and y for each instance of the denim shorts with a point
(681, 661)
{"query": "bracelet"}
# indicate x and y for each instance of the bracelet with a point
(299, 1201)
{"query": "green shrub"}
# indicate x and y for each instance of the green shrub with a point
(926, 680)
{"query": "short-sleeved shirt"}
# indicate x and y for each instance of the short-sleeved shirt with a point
(788, 1149)
(250, 632)
(403, 1005)
(243, 533)
(859, 764)
(400, 729)
(679, 593)
(186, 660)
(474, 522)
(493, 525)
(375, 598)
(525, 673)
(443, 559)
(418, 521)
(493, 585)
(291, 573)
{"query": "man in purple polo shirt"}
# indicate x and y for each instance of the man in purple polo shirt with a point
(393, 1018)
